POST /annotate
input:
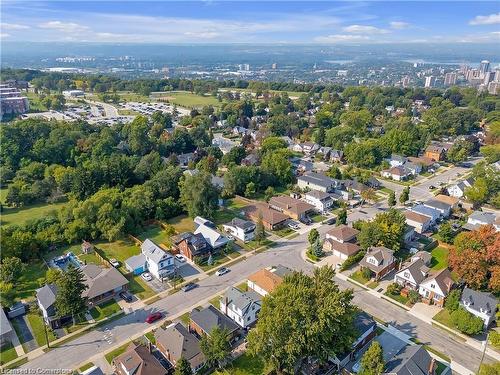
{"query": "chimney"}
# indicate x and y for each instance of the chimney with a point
(431, 366)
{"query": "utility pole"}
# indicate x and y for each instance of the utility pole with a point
(484, 352)
(46, 335)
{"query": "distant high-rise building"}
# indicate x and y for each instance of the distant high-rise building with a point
(246, 67)
(405, 81)
(473, 74)
(494, 88)
(450, 79)
(497, 75)
(430, 81)
(484, 67)
(488, 77)
(274, 66)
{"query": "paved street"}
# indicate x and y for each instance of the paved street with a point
(287, 253)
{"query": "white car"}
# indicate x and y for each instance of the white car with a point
(147, 276)
(114, 262)
(222, 271)
(180, 258)
(293, 225)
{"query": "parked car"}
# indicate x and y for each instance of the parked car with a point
(189, 286)
(151, 318)
(126, 297)
(432, 187)
(180, 258)
(329, 221)
(293, 225)
(114, 262)
(306, 220)
(222, 271)
(147, 276)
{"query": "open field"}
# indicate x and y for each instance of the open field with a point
(128, 96)
(439, 258)
(121, 250)
(20, 215)
(31, 279)
(182, 223)
(189, 100)
(291, 94)
(157, 234)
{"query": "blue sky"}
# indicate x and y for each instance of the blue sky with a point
(328, 22)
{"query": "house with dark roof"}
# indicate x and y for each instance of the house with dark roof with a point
(443, 208)
(271, 219)
(380, 260)
(7, 333)
(293, 208)
(138, 360)
(175, 341)
(202, 322)
(242, 307)
(46, 299)
(317, 181)
(102, 283)
(243, 230)
(413, 272)
(191, 245)
(436, 287)
(481, 304)
(411, 360)
(319, 199)
(435, 152)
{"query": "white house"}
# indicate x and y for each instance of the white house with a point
(242, 307)
(414, 271)
(398, 173)
(481, 304)
(418, 221)
(158, 262)
(307, 148)
(458, 190)
(243, 230)
(478, 218)
(396, 160)
(436, 287)
(432, 213)
(443, 208)
(207, 229)
(317, 181)
(320, 200)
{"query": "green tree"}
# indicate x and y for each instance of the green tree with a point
(342, 217)
(465, 322)
(53, 275)
(317, 248)
(372, 362)
(306, 316)
(183, 367)
(250, 190)
(487, 369)
(452, 301)
(7, 294)
(69, 299)
(446, 233)
(269, 193)
(478, 192)
(405, 195)
(391, 201)
(313, 236)
(216, 347)
(260, 234)
(10, 269)
(277, 166)
(198, 196)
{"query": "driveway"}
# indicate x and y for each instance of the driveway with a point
(424, 311)
(156, 285)
(24, 333)
(186, 270)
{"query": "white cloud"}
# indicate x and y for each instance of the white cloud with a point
(491, 19)
(341, 38)
(4, 35)
(65, 27)
(398, 25)
(364, 29)
(13, 26)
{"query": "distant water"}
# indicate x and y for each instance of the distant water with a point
(474, 64)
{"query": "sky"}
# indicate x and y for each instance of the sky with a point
(212, 21)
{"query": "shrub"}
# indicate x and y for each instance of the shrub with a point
(394, 289)
(413, 296)
(465, 322)
(452, 301)
(495, 339)
(366, 273)
(353, 259)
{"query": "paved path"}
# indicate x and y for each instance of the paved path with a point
(104, 338)
(25, 333)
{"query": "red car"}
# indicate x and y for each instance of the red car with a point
(153, 317)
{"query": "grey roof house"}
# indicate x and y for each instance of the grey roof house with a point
(481, 304)
(6, 330)
(411, 360)
(102, 283)
(205, 320)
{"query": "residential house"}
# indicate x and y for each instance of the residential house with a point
(423, 161)
(243, 230)
(337, 156)
(265, 281)
(414, 168)
(242, 307)
(373, 183)
(436, 287)
(293, 208)
(354, 186)
(138, 360)
(271, 219)
(418, 221)
(412, 359)
(380, 260)
(452, 201)
(191, 245)
(342, 250)
(215, 239)
(301, 166)
(432, 213)
(458, 190)
(7, 333)
(317, 181)
(307, 148)
(46, 299)
(324, 152)
(413, 272)
(435, 152)
(203, 321)
(250, 160)
(398, 173)
(396, 160)
(87, 247)
(224, 144)
(479, 218)
(159, 263)
(175, 341)
(444, 209)
(481, 304)
(320, 200)
(185, 159)
(102, 283)
(342, 234)
(365, 328)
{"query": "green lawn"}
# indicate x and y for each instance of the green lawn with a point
(317, 218)
(80, 322)
(245, 365)
(397, 297)
(7, 353)
(121, 250)
(439, 258)
(444, 317)
(151, 337)
(218, 259)
(156, 234)
(38, 327)
(182, 223)
(3, 194)
(138, 286)
(215, 302)
(189, 100)
(21, 215)
(31, 279)
(252, 245)
(386, 190)
(85, 367)
(128, 96)
(115, 353)
(243, 286)
(224, 216)
(357, 276)
(236, 203)
(373, 285)
(283, 232)
(104, 310)
(185, 318)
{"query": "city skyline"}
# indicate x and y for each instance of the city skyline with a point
(251, 22)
